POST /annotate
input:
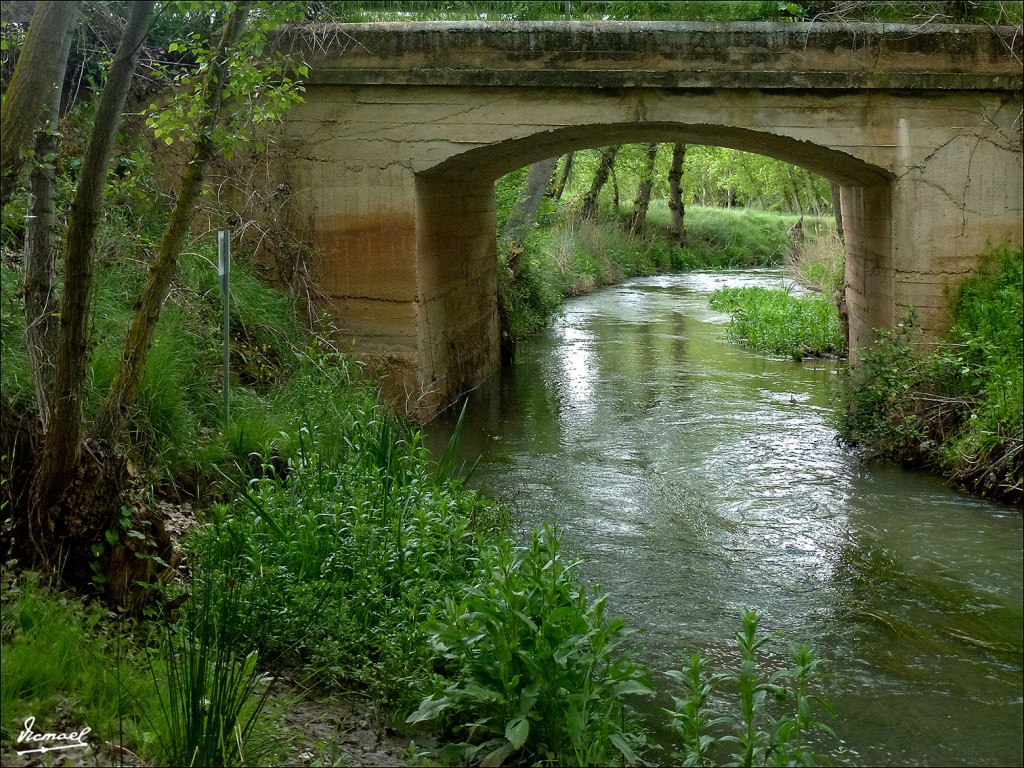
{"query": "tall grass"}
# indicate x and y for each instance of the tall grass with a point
(209, 691)
(176, 425)
(732, 238)
(61, 663)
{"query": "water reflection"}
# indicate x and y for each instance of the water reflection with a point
(694, 479)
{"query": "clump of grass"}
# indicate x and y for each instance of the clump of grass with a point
(210, 693)
(819, 263)
(957, 408)
(778, 323)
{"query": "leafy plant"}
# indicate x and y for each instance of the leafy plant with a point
(346, 546)
(761, 733)
(959, 405)
(539, 672)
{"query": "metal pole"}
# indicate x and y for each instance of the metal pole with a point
(224, 272)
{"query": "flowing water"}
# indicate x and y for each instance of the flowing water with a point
(693, 478)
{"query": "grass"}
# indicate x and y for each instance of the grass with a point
(176, 427)
(210, 693)
(732, 238)
(818, 262)
(778, 323)
(62, 662)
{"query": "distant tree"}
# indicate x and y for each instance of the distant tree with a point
(642, 200)
(604, 169)
(563, 179)
(676, 204)
(837, 208)
(528, 203)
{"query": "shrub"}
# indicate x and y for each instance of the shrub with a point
(957, 408)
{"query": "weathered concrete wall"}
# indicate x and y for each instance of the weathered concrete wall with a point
(401, 137)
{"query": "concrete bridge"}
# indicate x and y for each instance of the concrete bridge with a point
(405, 127)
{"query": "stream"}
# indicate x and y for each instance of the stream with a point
(693, 478)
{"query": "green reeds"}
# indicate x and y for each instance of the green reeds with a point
(210, 694)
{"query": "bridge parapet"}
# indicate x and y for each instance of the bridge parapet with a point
(663, 55)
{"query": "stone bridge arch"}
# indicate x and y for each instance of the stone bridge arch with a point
(394, 153)
(447, 244)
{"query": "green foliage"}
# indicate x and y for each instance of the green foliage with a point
(344, 547)
(176, 424)
(730, 238)
(260, 86)
(982, 11)
(957, 408)
(15, 377)
(539, 675)
(776, 322)
(720, 176)
(210, 693)
(775, 721)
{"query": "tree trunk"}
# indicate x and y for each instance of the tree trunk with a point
(62, 442)
(40, 252)
(676, 206)
(564, 178)
(643, 192)
(38, 68)
(837, 209)
(124, 388)
(604, 168)
(520, 222)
